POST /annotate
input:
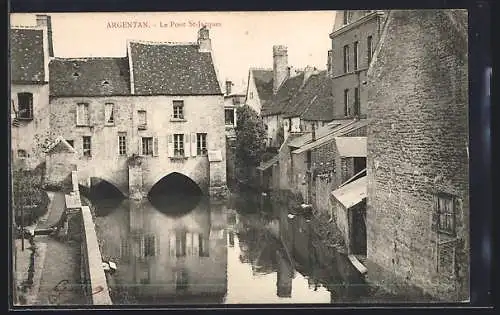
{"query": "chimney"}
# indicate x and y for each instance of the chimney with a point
(45, 21)
(308, 72)
(280, 66)
(313, 134)
(204, 43)
(229, 84)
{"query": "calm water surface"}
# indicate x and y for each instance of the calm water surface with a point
(192, 251)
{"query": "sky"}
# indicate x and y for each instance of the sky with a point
(240, 40)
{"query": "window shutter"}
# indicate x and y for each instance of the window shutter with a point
(189, 243)
(155, 146)
(193, 144)
(170, 145)
(187, 145)
(196, 244)
(171, 245)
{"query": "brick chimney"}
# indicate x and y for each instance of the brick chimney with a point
(44, 21)
(280, 66)
(204, 43)
(229, 84)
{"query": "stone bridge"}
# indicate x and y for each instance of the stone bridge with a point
(135, 176)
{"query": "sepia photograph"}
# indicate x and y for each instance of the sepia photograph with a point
(264, 157)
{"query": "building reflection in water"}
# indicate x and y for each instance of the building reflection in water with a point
(166, 260)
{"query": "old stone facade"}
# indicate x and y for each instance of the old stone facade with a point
(354, 38)
(113, 109)
(31, 51)
(418, 191)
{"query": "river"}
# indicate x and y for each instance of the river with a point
(243, 251)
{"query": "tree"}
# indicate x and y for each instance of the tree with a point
(250, 138)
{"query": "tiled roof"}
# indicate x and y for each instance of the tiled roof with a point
(323, 136)
(166, 69)
(280, 101)
(314, 101)
(263, 80)
(27, 55)
(320, 132)
(89, 77)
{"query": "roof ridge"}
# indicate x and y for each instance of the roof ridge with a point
(260, 68)
(86, 58)
(27, 27)
(169, 43)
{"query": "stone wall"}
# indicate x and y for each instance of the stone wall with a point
(31, 135)
(418, 148)
(203, 114)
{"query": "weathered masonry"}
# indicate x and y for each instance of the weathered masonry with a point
(131, 120)
(417, 214)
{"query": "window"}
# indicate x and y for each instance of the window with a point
(82, 114)
(147, 146)
(203, 246)
(229, 114)
(178, 144)
(356, 102)
(181, 279)
(369, 46)
(25, 106)
(178, 109)
(180, 244)
(201, 144)
(346, 58)
(142, 119)
(21, 154)
(87, 146)
(446, 214)
(122, 143)
(109, 118)
(355, 56)
(149, 246)
(346, 102)
(346, 17)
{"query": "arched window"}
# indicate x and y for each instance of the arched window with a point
(24, 105)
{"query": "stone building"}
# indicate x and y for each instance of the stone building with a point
(354, 38)
(259, 88)
(30, 52)
(116, 111)
(232, 101)
(312, 106)
(417, 168)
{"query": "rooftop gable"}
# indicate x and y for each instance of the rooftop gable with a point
(283, 96)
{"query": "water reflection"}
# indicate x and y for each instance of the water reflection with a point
(220, 254)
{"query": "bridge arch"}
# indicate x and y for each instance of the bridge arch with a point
(103, 187)
(176, 183)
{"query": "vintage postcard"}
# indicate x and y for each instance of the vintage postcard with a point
(198, 158)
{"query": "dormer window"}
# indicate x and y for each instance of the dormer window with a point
(25, 106)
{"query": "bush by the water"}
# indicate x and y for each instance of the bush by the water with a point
(29, 200)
